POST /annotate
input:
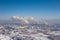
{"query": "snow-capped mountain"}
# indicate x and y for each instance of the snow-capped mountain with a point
(25, 20)
(28, 20)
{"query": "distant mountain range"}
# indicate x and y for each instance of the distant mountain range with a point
(29, 20)
(54, 21)
(24, 20)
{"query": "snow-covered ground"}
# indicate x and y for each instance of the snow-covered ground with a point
(4, 37)
(10, 33)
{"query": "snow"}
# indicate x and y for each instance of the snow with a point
(39, 36)
(56, 33)
(3, 37)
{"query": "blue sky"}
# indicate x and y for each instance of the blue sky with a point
(48, 9)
